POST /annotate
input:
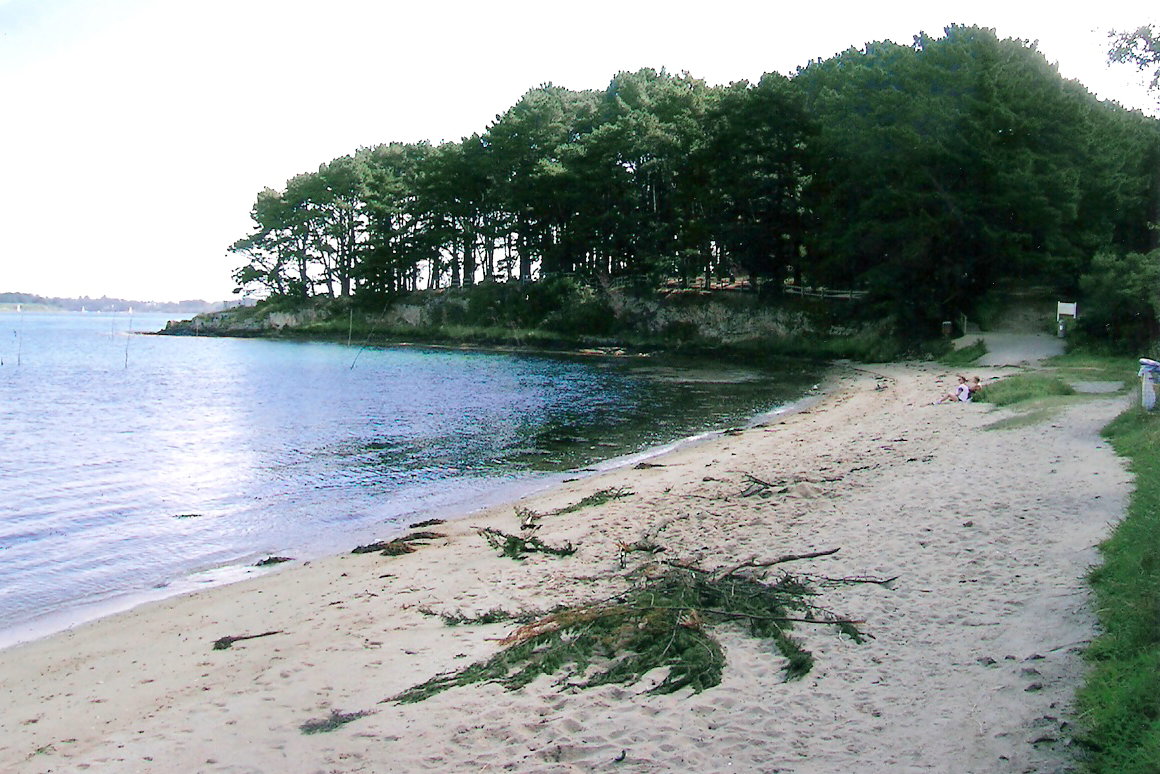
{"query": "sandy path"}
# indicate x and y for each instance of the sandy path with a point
(1013, 348)
(972, 666)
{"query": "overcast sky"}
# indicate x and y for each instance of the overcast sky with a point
(136, 133)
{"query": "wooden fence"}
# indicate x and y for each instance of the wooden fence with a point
(798, 290)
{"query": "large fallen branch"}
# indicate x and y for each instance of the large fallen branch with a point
(753, 561)
(663, 622)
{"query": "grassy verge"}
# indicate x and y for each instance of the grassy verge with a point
(1021, 388)
(964, 356)
(1120, 702)
(1087, 367)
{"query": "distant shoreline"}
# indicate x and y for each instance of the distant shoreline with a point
(25, 302)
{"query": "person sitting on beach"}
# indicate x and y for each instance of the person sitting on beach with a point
(961, 394)
(976, 386)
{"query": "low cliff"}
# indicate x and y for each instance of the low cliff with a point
(534, 316)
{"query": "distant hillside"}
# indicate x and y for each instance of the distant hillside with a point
(106, 304)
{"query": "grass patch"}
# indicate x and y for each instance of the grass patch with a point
(964, 356)
(1022, 388)
(1120, 701)
(1081, 366)
(662, 623)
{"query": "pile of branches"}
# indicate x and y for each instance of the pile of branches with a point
(663, 622)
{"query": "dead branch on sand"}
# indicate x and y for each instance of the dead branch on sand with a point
(753, 561)
(222, 643)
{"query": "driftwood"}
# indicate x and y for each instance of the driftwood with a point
(646, 546)
(760, 486)
(854, 579)
(529, 518)
(269, 560)
(753, 561)
(223, 643)
(647, 542)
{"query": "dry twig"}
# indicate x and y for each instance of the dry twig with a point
(754, 562)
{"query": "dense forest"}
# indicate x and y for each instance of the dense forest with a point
(923, 174)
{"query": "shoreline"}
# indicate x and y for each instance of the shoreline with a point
(83, 612)
(990, 533)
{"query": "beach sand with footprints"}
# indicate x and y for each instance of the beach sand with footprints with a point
(970, 661)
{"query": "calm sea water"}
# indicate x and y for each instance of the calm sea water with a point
(135, 466)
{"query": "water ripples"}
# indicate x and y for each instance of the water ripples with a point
(210, 451)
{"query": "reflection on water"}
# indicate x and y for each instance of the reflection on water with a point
(129, 461)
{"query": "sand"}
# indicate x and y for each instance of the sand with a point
(990, 526)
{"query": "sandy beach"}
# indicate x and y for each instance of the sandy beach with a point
(971, 665)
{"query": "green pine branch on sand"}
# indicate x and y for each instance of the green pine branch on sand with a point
(665, 622)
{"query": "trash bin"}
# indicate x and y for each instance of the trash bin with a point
(1149, 380)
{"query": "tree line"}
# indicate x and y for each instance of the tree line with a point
(924, 174)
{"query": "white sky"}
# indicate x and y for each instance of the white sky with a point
(136, 133)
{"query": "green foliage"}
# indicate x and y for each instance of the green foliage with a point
(866, 345)
(663, 623)
(924, 174)
(519, 546)
(1120, 702)
(1022, 388)
(1121, 299)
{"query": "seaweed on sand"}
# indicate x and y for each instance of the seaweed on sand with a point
(663, 622)
(400, 545)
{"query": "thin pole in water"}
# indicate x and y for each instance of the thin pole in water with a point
(20, 334)
(128, 336)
